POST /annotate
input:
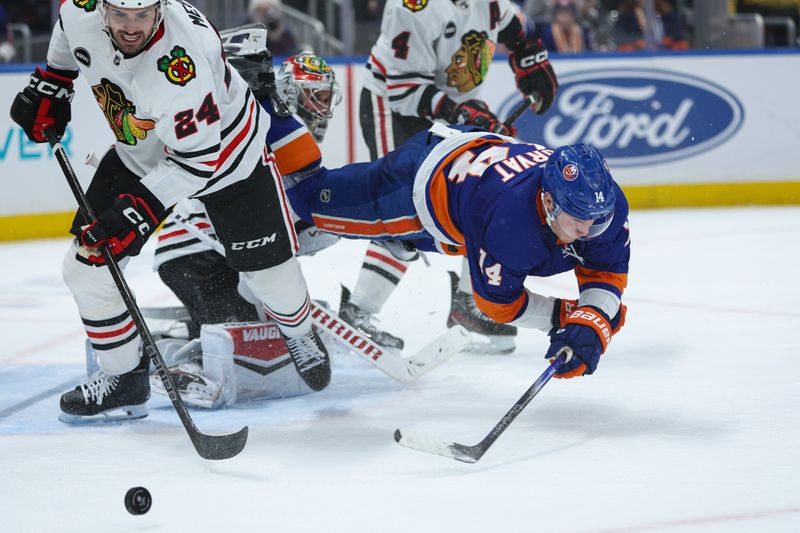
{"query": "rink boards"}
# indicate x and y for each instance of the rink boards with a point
(678, 129)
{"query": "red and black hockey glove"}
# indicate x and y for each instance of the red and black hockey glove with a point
(534, 74)
(45, 103)
(474, 112)
(124, 228)
(586, 330)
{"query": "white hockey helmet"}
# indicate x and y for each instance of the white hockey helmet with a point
(108, 8)
(307, 85)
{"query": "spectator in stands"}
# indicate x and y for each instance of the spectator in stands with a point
(594, 18)
(368, 15)
(673, 34)
(564, 35)
(629, 29)
(7, 50)
(280, 39)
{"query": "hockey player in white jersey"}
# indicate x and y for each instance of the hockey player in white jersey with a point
(186, 124)
(429, 63)
(236, 355)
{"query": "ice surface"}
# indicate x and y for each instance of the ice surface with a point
(690, 424)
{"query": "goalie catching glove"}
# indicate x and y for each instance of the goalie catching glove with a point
(586, 330)
(124, 228)
(534, 74)
(474, 112)
(45, 103)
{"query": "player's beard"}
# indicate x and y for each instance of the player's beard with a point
(130, 47)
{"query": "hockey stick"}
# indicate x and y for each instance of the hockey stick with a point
(517, 112)
(472, 454)
(387, 360)
(208, 446)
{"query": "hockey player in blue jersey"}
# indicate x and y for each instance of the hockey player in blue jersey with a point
(513, 209)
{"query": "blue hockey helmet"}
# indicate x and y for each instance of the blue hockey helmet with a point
(577, 177)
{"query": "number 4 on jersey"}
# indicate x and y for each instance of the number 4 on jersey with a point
(493, 275)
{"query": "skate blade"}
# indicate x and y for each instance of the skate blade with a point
(119, 414)
(490, 344)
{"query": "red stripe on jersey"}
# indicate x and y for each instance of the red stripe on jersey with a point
(399, 85)
(226, 152)
(107, 334)
(388, 260)
(172, 234)
(382, 126)
(377, 64)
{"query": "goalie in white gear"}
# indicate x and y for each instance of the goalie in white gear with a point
(240, 361)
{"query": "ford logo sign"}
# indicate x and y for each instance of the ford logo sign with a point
(635, 116)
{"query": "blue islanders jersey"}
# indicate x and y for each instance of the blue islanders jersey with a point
(469, 193)
(483, 192)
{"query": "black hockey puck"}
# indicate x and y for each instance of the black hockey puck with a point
(138, 500)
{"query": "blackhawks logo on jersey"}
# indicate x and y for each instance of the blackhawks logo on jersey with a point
(86, 5)
(119, 112)
(178, 66)
(415, 5)
(470, 63)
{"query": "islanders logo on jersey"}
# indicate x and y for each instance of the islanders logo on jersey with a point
(119, 112)
(86, 5)
(177, 66)
(470, 63)
(570, 172)
(415, 5)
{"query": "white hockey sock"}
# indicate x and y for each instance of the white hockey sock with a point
(464, 283)
(105, 318)
(380, 274)
(283, 292)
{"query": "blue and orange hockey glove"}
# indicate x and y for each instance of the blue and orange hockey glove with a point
(587, 330)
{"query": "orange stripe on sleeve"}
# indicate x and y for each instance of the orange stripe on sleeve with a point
(585, 275)
(503, 313)
(298, 154)
(364, 228)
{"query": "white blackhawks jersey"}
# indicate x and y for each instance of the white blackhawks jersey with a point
(184, 120)
(445, 43)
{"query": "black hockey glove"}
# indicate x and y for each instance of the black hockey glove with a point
(586, 330)
(534, 74)
(124, 228)
(474, 112)
(45, 103)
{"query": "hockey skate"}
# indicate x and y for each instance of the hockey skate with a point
(486, 335)
(311, 359)
(106, 398)
(195, 389)
(364, 321)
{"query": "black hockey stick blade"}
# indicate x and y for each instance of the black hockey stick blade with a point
(472, 454)
(218, 447)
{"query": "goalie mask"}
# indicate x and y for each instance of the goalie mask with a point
(308, 86)
(131, 24)
(582, 188)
